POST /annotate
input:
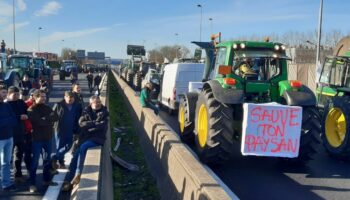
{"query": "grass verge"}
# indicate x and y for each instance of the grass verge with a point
(128, 184)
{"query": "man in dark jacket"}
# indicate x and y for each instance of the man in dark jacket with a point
(93, 124)
(97, 81)
(68, 112)
(90, 79)
(20, 109)
(7, 123)
(42, 118)
(78, 97)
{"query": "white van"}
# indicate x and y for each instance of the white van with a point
(176, 78)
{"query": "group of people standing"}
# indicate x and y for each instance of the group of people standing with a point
(31, 128)
(94, 81)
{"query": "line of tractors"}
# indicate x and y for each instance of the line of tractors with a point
(212, 116)
(133, 70)
(14, 67)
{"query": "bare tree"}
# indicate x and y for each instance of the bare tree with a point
(68, 54)
(169, 52)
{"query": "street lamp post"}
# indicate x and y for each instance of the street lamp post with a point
(319, 36)
(39, 38)
(14, 26)
(200, 24)
(211, 25)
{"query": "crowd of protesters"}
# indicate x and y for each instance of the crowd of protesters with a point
(31, 129)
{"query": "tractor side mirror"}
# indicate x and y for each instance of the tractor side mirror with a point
(225, 69)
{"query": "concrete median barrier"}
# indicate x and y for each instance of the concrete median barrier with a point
(96, 180)
(179, 174)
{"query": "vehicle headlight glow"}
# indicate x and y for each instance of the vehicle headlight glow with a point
(283, 47)
(235, 46)
(277, 47)
(242, 45)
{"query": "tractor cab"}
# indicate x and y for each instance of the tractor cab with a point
(254, 67)
(334, 79)
(22, 64)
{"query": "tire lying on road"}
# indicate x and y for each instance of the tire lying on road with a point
(336, 127)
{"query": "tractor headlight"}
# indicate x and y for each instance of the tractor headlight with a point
(242, 45)
(277, 47)
(283, 47)
(235, 46)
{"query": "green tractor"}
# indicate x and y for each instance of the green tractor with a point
(239, 72)
(333, 94)
(136, 52)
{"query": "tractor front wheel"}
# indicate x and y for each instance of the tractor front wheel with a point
(186, 125)
(335, 127)
(213, 129)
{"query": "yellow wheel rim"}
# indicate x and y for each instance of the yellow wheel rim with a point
(335, 127)
(202, 126)
(182, 119)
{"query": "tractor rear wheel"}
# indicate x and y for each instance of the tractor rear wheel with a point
(335, 127)
(137, 81)
(186, 125)
(129, 78)
(213, 129)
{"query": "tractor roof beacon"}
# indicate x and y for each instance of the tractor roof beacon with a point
(238, 72)
(333, 93)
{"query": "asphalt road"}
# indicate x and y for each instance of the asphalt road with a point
(255, 178)
(56, 95)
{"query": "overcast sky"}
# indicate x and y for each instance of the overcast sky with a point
(109, 25)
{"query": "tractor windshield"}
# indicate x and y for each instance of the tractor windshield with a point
(38, 63)
(335, 72)
(19, 63)
(257, 65)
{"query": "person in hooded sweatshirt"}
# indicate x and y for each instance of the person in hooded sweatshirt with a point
(7, 123)
(68, 111)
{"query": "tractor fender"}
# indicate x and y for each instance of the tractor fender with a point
(300, 98)
(191, 98)
(225, 95)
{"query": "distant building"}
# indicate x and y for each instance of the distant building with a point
(46, 55)
(81, 54)
(95, 55)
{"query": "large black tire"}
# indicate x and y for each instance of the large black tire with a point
(137, 81)
(186, 119)
(335, 134)
(129, 78)
(217, 147)
(309, 136)
(62, 76)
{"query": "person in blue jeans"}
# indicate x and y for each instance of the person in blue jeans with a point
(8, 121)
(67, 126)
(42, 118)
(93, 124)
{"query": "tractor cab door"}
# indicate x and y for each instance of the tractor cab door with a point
(221, 59)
